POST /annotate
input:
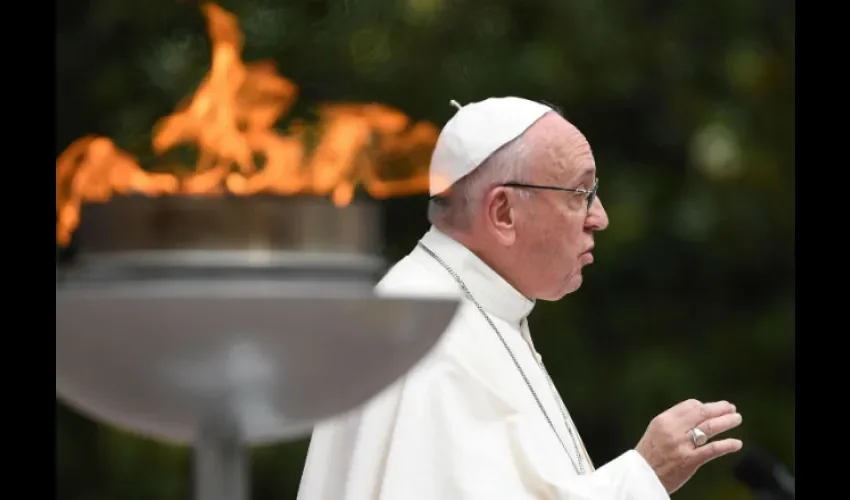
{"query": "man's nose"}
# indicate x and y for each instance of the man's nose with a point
(597, 217)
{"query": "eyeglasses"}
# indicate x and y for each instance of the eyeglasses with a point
(590, 194)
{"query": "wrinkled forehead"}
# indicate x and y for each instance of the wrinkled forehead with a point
(565, 152)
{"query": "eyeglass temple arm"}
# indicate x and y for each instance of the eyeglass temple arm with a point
(553, 188)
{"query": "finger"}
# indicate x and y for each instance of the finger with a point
(685, 407)
(716, 449)
(706, 411)
(721, 424)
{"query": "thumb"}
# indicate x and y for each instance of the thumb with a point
(716, 449)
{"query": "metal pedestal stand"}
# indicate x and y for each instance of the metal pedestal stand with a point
(224, 349)
(221, 464)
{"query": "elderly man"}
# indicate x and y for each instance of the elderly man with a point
(514, 212)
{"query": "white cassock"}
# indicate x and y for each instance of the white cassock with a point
(463, 424)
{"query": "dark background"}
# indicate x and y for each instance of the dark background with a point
(689, 107)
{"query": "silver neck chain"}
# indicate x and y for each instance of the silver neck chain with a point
(578, 461)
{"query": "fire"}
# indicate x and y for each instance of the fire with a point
(231, 120)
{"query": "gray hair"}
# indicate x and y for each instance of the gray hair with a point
(457, 209)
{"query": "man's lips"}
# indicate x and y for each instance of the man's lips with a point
(587, 257)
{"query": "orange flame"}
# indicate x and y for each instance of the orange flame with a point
(231, 119)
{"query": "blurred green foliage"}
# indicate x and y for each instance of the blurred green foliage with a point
(689, 107)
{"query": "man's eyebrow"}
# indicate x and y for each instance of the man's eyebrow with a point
(586, 172)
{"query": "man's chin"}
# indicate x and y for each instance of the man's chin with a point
(572, 284)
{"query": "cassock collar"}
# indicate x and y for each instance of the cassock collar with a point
(495, 295)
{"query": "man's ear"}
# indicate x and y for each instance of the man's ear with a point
(499, 215)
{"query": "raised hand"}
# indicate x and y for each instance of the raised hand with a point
(671, 444)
